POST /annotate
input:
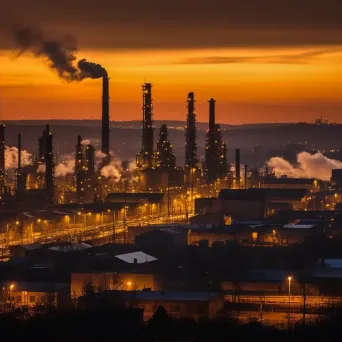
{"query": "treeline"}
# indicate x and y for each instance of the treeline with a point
(127, 325)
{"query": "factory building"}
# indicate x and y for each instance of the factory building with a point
(290, 183)
(253, 203)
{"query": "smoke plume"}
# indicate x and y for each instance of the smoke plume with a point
(58, 54)
(66, 166)
(308, 165)
(11, 158)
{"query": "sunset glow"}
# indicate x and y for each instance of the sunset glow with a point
(276, 82)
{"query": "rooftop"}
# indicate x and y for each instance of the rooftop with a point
(255, 194)
(174, 296)
(136, 257)
(289, 181)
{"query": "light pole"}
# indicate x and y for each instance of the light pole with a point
(289, 315)
(10, 294)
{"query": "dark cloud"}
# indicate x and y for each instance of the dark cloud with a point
(299, 58)
(180, 24)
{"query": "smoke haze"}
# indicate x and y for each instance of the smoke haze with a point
(58, 54)
(308, 165)
(11, 158)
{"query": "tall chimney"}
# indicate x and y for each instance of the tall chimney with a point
(145, 156)
(105, 115)
(212, 116)
(49, 181)
(2, 156)
(19, 153)
(237, 167)
(190, 143)
(246, 176)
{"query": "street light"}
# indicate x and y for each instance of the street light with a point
(289, 279)
(10, 294)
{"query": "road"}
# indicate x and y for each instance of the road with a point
(79, 232)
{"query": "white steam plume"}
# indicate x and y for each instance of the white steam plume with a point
(86, 142)
(112, 170)
(11, 158)
(99, 157)
(41, 168)
(308, 165)
(66, 166)
(131, 166)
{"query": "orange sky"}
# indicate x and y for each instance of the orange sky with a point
(250, 85)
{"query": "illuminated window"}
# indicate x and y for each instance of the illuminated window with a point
(255, 236)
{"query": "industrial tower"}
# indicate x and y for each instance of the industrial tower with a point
(190, 135)
(49, 162)
(21, 177)
(215, 149)
(105, 115)
(2, 157)
(145, 159)
(79, 170)
(165, 158)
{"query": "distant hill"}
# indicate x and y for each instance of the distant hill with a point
(257, 142)
(172, 124)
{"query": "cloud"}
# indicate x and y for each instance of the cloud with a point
(180, 23)
(299, 58)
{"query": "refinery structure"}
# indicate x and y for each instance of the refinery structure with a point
(100, 198)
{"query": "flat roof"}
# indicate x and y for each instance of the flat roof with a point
(139, 257)
(175, 296)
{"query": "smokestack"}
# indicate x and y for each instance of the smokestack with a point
(105, 115)
(246, 174)
(237, 167)
(2, 156)
(145, 157)
(19, 154)
(190, 143)
(212, 115)
(49, 184)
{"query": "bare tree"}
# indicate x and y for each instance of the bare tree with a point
(48, 301)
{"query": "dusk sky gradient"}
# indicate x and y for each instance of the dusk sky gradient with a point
(263, 61)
